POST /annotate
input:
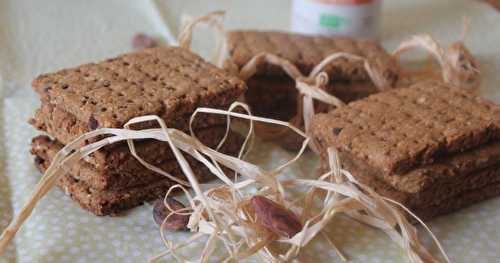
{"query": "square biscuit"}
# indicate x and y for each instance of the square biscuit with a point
(306, 51)
(113, 201)
(447, 175)
(166, 81)
(121, 170)
(65, 127)
(468, 189)
(401, 129)
(272, 93)
(276, 98)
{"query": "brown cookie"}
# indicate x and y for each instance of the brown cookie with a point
(166, 81)
(114, 201)
(276, 98)
(306, 51)
(271, 93)
(121, 169)
(435, 176)
(428, 146)
(116, 154)
(398, 130)
(475, 187)
(64, 127)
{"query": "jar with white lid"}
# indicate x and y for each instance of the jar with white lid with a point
(352, 18)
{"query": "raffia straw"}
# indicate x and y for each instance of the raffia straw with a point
(212, 19)
(225, 222)
(376, 212)
(459, 67)
(337, 250)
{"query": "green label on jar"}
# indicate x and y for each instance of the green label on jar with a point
(333, 21)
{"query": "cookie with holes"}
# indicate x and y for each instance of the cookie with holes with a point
(119, 169)
(169, 82)
(432, 147)
(66, 127)
(109, 192)
(272, 93)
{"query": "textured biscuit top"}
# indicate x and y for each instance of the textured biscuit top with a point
(307, 51)
(164, 81)
(397, 130)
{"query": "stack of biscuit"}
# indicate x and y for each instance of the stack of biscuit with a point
(272, 93)
(169, 82)
(431, 147)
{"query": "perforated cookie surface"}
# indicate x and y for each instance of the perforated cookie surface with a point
(400, 129)
(164, 81)
(308, 51)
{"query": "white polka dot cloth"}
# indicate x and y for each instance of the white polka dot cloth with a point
(41, 36)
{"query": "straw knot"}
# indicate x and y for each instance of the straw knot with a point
(459, 67)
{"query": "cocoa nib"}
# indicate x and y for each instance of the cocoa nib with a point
(93, 124)
(275, 217)
(39, 160)
(175, 222)
(337, 131)
(142, 41)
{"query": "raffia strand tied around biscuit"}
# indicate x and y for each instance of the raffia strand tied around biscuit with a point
(458, 67)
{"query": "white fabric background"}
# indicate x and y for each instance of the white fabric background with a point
(42, 36)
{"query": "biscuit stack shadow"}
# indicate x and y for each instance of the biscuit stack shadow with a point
(169, 82)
